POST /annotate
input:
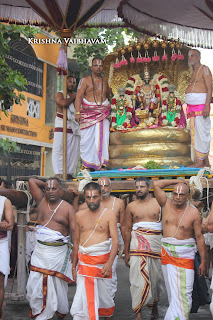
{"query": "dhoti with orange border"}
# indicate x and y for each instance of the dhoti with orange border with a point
(145, 275)
(50, 273)
(177, 258)
(94, 129)
(93, 297)
(200, 127)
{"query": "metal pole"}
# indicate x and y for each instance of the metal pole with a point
(21, 259)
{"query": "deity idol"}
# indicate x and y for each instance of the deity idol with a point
(172, 112)
(146, 99)
(121, 111)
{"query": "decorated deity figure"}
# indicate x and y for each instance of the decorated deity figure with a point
(172, 112)
(146, 93)
(146, 100)
(121, 111)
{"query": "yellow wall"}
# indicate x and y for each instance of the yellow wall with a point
(37, 126)
(47, 52)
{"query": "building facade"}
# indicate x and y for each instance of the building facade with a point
(31, 125)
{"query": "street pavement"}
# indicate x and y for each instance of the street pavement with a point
(19, 310)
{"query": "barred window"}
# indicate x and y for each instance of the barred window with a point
(21, 58)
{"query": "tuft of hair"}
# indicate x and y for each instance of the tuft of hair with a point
(97, 58)
(92, 186)
(147, 180)
(55, 178)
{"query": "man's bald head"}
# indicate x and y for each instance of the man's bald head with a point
(197, 52)
(193, 57)
(103, 180)
(105, 184)
(180, 194)
(182, 187)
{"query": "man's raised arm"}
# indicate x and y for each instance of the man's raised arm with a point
(36, 187)
(159, 185)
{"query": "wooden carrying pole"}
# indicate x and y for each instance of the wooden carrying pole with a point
(65, 124)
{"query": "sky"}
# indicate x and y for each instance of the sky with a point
(207, 57)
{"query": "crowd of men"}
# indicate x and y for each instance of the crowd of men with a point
(160, 234)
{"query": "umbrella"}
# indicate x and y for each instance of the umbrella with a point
(189, 21)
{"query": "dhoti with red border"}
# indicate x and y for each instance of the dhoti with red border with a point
(93, 297)
(50, 273)
(94, 134)
(145, 275)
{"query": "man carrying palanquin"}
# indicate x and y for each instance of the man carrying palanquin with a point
(142, 249)
(92, 110)
(181, 221)
(51, 267)
(198, 97)
(94, 253)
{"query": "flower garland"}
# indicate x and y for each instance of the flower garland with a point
(113, 113)
(177, 110)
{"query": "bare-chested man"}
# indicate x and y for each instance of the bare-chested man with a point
(207, 226)
(94, 252)
(181, 221)
(6, 224)
(118, 207)
(51, 267)
(114, 204)
(73, 132)
(142, 248)
(198, 97)
(92, 109)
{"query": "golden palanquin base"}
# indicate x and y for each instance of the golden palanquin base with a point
(166, 146)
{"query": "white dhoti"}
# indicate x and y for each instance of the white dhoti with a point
(73, 144)
(4, 246)
(51, 270)
(93, 297)
(120, 238)
(4, 258)
(177, 258)
(30, 239)
(145, 266)
(200, 127)
(94, 135)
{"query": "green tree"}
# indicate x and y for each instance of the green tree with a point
(7, 146)
(12, 82)
(114, 36)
